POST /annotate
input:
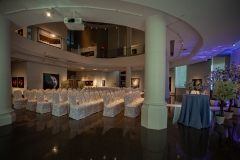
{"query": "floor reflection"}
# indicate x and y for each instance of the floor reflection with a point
(43, 136)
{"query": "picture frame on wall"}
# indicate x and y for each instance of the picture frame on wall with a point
(20, 82)
(103, 83)
(135, 82)
(49, 38)
(88, 83)
(71, 83)
(14, 82)
(196, 82)
(50, 81)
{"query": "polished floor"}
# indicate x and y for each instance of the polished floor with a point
(43, 136)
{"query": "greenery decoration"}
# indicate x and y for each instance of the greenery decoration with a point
(224, 91)
(81, 84)
(189, 86)
(64, 84)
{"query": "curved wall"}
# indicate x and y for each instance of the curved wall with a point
(39, 50)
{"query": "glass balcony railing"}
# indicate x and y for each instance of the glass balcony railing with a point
(42, 36)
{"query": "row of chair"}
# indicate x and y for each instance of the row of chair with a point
(79, 104)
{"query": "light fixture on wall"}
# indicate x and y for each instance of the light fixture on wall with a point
(50, 12)
(181, 41)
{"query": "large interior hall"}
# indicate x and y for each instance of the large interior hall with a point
(119, 79)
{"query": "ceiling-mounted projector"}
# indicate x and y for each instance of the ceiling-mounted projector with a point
(74, 23)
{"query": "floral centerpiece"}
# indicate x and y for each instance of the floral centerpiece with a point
(223, 91)
(189, 86)
(64, 84)
(81, 84)
(202, 87)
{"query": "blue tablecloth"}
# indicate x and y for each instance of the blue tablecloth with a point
(195, 111)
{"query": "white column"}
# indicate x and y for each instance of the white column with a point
(7, 115)
(167, 92)
(128, 76)
(154, 111)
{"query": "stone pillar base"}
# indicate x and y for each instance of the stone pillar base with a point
(154, 116)
(7, 118)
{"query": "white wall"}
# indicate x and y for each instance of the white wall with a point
(95, 76)
(199, 71)
(35, 74)
(112, 79)
(218, 62)
(141, 75)
(19, 70)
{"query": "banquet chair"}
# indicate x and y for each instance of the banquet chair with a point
(132, 108)
(19, 102)
(24, 93)
(58, 108)
(31, 101)
(42, 105)
(76, 111)
(64, 99)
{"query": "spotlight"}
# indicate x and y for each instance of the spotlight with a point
(48, 14)
(234, 45)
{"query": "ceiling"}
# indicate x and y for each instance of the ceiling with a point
(206, 28)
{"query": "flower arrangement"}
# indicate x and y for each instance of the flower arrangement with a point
(189, 86)
(202, 87)
(223, 91)
(81, 84)
(64, 84)
(231, 73)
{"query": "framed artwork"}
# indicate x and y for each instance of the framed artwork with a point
(71, 83)
(88, 83)
(14, 81)
(103, 83)
(87, 54)
(196, 82)
(20, 82)
(50, 81)
(135, 82)
(49, 38)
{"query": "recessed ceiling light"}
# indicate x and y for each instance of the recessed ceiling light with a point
(53, 35)
(94, 68)
(105, 28)
(91, 27)
(82, 67)
(48, 14)
(116, 27)
(234, 45)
